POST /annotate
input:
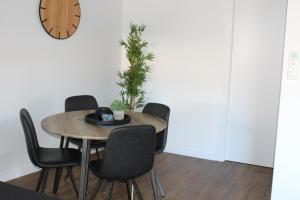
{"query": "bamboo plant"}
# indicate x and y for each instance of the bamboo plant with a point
(132, 79)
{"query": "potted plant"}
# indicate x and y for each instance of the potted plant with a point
(118, 108)
(133, 78)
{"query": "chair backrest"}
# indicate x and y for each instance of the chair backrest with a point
(162, 111)
(82, 102)
(129, 152)
(30, 136)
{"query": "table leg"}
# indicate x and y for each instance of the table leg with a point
(86, 144)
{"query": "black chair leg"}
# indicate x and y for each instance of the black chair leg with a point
(111, 190)
(62, 140)
(66, 146)
(97, 153)
(98, 188)
(72, 180)
(137, 189)
(67, 143)
(44, 181)
(38, 186)
(57, 178)
(128, 190)
(58, 170)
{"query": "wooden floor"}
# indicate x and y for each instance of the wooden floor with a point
(184, 178)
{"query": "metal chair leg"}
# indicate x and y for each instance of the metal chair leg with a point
(137, 189)
(38, 186)
(44, 181)
(99, 186)
(153, 185)
(57, 178)
(132, 192)
(160, 187)
(72, 180)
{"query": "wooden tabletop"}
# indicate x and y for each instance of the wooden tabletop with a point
(72, 124)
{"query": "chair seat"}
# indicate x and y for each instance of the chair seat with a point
(94, 143)
(56, 157)
(96, 168)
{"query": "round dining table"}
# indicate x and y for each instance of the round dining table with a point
(73, 125)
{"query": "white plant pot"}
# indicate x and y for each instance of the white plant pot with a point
(118, 115)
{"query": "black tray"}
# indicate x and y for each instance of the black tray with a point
(95, 119)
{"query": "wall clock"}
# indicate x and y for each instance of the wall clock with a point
(60, 18)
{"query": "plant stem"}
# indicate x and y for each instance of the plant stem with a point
(132, 103)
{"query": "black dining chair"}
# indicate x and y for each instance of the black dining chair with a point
(76, 103)
(83, 102)
(129, 153)
(12, 192)
(162, 111)
(47, 158)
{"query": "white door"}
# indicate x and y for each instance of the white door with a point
(255, 81)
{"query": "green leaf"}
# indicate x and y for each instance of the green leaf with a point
(132, 79)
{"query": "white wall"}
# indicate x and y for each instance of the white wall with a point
(258, 39)
(191, 73)
(39, 72)
(287, 160)
(192, 43)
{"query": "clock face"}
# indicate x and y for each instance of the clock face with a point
(60, 18)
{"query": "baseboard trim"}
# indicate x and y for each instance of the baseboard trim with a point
(22, 171)
(193, 153)
(17, 172)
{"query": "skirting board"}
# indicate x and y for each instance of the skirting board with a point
(17, 172)
(193, 153)
(22, 171)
